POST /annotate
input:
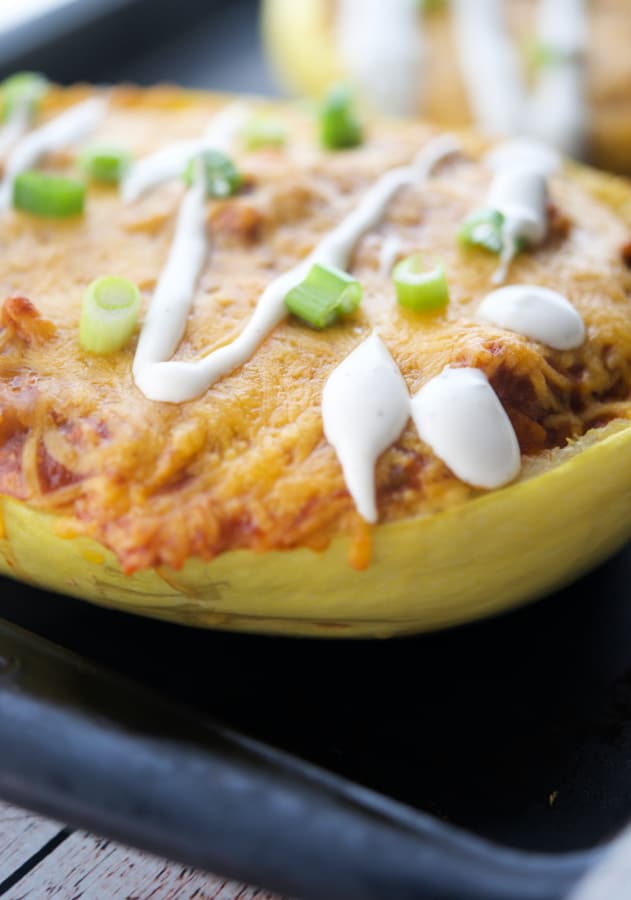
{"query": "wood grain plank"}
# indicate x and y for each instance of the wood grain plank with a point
(86, 867)
(21, 836)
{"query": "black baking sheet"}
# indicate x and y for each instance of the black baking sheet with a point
(518, 728)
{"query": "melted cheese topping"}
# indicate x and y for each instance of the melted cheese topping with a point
(247, 464)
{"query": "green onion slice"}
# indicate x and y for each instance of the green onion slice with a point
(540, 55)
(261, 132)
(419, 290)
(49, 196)
(222, 177)
(106, 164)
(431, 6)
(324, 294)
(339, 127)
(483, 228)
(109, 314)
(24, 90)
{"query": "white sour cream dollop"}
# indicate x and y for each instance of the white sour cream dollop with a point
(461, 418)
(365, 405)
(535, 312)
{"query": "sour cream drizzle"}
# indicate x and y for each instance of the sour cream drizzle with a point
(383, 48)
(177, 382)
(521, 196)
(519, 191)
(524, 153)
(365, 405)
(535, 312)
(490, 66)
(460, 416)
(72, 125)
(166, 317)
(390, 249)
(170, 161)
(14, 128)
(557, 110)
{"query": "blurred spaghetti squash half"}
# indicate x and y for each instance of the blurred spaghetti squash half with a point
(456, 62)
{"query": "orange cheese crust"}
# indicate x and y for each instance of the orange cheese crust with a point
(247, 464)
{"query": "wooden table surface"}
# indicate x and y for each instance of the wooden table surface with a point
(41, 859)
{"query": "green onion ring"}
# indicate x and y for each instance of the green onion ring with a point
(323, 295)
(48, 196)
(106, 164)
(109, 314)
(418, 290)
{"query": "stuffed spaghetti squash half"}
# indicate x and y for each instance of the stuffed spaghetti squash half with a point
(272, 371)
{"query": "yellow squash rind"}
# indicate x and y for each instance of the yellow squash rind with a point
(482, 557)
(299, 40)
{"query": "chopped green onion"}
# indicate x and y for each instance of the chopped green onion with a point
(260, 132)
(222, 177)
(540, 55)
(49, 196)
(418, 290)
(108, 315)
(431, 6)
(483, 228)
(24, 90)
(104, 163)
(324, 294)
(486, 228)
(339, 127)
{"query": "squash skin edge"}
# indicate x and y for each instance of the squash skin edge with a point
(476, 559)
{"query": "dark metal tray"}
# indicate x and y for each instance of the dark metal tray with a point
(518, 729)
